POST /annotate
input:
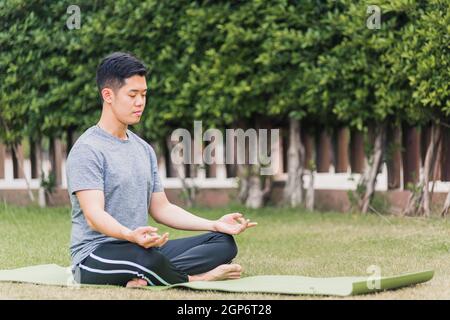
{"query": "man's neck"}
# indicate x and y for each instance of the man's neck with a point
(117, 130)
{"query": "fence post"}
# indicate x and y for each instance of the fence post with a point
(35, 157)
(411, 155)
(445, 155)
(357, 156)
(324, 152)
(342, 150)
(394, 157)
(308, 143)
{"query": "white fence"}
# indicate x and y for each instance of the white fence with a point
(330, 180)
(219, 179)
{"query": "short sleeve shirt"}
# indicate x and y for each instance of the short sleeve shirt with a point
(127, 173)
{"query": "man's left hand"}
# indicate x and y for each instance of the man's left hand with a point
(233, 223)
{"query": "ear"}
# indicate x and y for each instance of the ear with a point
(107, 95)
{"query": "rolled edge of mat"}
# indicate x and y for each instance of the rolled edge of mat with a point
(392, 282)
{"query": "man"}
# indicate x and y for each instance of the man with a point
(113, 184)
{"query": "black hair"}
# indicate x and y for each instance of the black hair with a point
(115, 68)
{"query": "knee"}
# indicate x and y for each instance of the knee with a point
(230, 249)
(152, 259)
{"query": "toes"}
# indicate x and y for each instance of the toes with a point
(142, 282)
(132, 284)
(235, 274)
(136, 283)
(237, 268)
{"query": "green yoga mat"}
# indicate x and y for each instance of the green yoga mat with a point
(52, 274)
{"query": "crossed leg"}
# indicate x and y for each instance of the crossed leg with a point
(204, 257)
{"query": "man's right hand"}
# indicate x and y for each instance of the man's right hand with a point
(147, 237)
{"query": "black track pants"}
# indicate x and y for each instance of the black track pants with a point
(117, 262)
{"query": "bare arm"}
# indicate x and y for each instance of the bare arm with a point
(92, 204)
(175, 217)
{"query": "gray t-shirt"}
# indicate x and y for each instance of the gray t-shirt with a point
(125, 170)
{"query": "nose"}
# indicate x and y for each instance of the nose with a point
(139, 100)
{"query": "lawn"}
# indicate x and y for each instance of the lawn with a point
(286, 241)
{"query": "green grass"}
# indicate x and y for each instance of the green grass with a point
(286, 241)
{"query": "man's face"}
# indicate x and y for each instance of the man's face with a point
(128, 102)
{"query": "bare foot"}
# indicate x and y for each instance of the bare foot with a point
(136, 283)
(222, 272)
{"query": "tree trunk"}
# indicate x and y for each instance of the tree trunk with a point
(310, 191)
(69, 140)
(394, 157)
(293, 190)
(438, 165)
(243, 176)
(37, 168)
(17, 159)
(56, 160)
(2, 160)
(419, 200)
(255, 194)
(189, 190)
(20, 164)
(309, 165)
(446, 207)
(429, 167)
(240, 170)
(19, 156)
(369, 178)
(39, 150)
(259, 186)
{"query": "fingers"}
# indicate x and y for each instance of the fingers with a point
(146, 229)
(155, 240)
(237, 225)
(245, 223)
(249, 224)
(236, 215)
(162, 241)
(148, 240)
(151, 237)
(239, 217)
